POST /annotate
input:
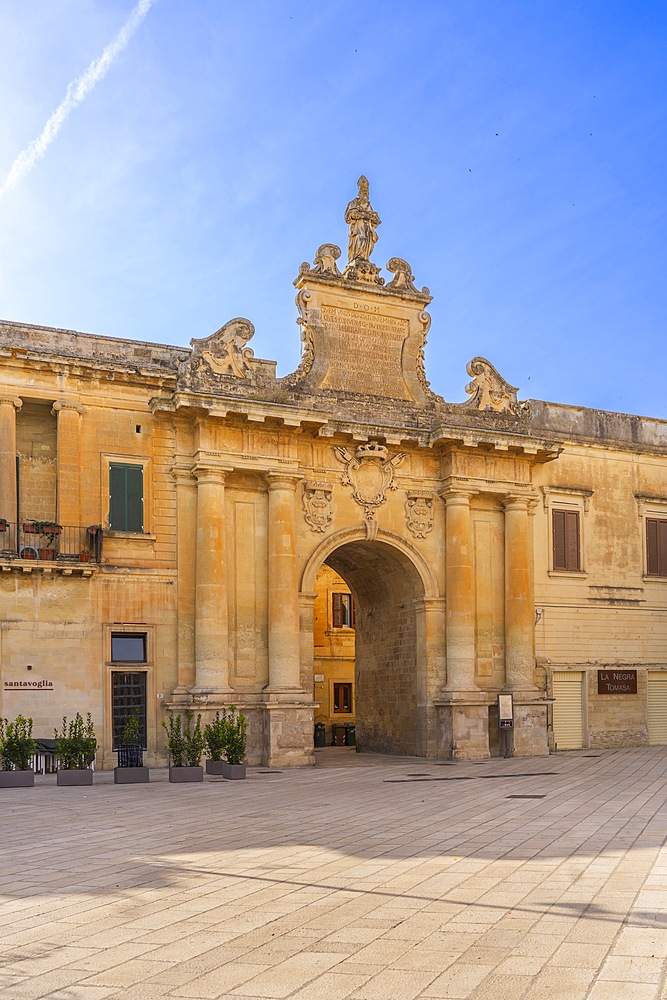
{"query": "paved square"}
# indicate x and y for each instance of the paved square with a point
(365, 878)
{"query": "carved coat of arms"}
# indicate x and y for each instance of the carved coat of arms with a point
(419, 513)
(317, 505)
(370, 473)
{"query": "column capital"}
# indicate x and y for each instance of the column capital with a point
(282, 480)
(210, 474)
(184, 474)
(11, 401)
(457, 496)
(66, 404)
(518, 501)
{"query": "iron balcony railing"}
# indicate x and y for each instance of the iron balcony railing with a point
(50, 542)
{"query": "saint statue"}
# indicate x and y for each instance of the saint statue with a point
(362, 221)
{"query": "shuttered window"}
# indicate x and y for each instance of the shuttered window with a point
(126, 497)
(566, 546)
(342, 700)
(568, 710)
(342, 611)
(656, 546)
(657, 707)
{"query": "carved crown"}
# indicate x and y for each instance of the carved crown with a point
(372, 449)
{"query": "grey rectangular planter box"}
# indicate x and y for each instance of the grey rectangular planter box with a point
(233, 771)
(17, 779)
(129, 775)
(215, 766)
(186, 773)
(81, 776)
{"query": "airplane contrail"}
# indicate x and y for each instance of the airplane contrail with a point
(76, 92)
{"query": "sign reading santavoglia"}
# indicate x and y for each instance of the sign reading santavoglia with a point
(617, 682)
(28, 685)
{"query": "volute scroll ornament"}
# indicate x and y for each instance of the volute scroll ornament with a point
(225, 352)
(317, 505)
(370, 473)
(489, 390)
(419, 512)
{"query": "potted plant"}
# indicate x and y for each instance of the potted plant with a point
(31, 527)
(84, 555)
(75, 751)
(48, 530)
(185, 745)
(215, 734)
(235, 744)
(3, 523)
(130, 767)
(17, 748)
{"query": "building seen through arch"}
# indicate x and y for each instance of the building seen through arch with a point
(181, 529)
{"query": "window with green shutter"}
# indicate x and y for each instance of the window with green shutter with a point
(126, 497)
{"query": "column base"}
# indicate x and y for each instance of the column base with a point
(530, 736)
(288, 734)
(463, 727)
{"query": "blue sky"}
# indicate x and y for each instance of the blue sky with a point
(516, 153)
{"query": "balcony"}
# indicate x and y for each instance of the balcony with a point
(44, 546)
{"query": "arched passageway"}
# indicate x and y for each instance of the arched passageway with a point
(390, 669)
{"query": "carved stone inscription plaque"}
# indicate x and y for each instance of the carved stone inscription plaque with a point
(365, 350)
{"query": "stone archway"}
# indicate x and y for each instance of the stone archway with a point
(397, 669)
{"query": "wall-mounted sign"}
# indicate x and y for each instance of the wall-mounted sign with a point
(617, 682)
(505, 711)
(28, 685)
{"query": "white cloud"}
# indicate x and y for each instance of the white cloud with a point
(77, 91)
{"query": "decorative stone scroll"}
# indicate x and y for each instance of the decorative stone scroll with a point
(489, 390)
(225, 351)
(370, 473)
(317, 505)
(419, 512)
(403, 279)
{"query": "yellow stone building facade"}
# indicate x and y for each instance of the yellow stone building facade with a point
(167, 513)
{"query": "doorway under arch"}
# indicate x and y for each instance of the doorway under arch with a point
(390, 675)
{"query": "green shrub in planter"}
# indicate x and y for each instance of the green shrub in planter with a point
(237, 728)
(76, 744)
(17, 749)
(185, 745)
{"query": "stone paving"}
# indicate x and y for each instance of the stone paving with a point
(368, 878)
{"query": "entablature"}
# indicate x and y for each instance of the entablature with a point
(254, 411)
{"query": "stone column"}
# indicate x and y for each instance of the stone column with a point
(211, 623)
(519, 609)
(284, 665)
(186, 527)
(529, 736)
(8, 408)
(459, 593)
(68, 474)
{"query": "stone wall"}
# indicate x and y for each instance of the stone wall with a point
(36, 444)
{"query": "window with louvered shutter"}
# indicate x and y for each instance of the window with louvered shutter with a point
(342, 610)
(126, 497)
(566, 545)
(656, 546)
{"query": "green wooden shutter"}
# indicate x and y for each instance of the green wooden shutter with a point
(135, 498)
(126, 497)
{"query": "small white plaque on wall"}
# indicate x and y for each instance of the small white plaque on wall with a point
(318, 678)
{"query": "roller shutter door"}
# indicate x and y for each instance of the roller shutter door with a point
(657, 707)
(568, 710)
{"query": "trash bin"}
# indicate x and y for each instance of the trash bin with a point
(320, 734)
(338, 736)
(350, 734)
